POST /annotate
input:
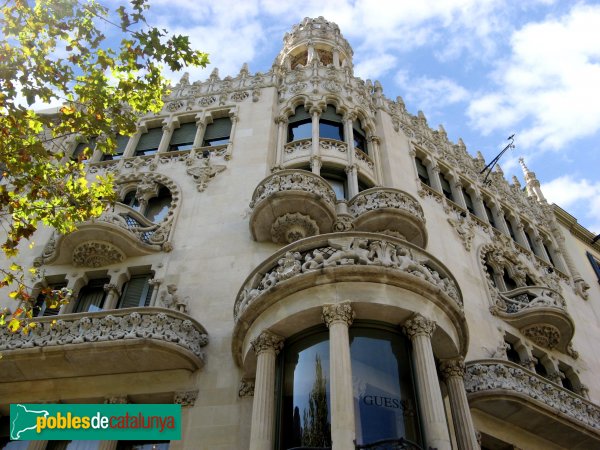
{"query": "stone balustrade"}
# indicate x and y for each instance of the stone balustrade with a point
(531, 297)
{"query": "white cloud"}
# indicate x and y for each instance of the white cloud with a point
(550, 82)
(375, 66)
(578, 195)
(431, 94)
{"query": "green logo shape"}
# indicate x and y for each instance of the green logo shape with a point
(95, 422)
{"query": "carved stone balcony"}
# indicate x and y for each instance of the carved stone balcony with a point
(335, 258)
(110, 342)
(290, 205)
(118, 233)
(525, 399)
(390, 211)
(539, 312)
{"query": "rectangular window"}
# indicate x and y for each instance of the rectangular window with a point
(300, 130)
(469, 202)
(490, 215)
(360, 141)
(549, 255)
(331, 130)
(511, 231)
(217, 132)
(121, 145)
(149, 142)
(41, 308)
(595, 264)
(137, 292)
(446, 189)
(422, 171)
(91, 297)
(183, 137)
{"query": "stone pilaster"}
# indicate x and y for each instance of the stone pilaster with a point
(266, 346)
(352, 174)
(453, 372)
(281, 122)
(315, 149)
(420, 329)
(338, 317)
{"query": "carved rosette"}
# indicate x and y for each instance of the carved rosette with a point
(267, 342)
(419, 325)
(293, 226)
(338, 312)
(343, 223)
(96, 254)
(546, 336)
(187, 398)
(453, 368)
(246, 388)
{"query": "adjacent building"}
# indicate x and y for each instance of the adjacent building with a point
(301, 263)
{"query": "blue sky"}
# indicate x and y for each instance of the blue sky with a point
(483, 69)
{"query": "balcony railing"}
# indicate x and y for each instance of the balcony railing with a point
(531, 297)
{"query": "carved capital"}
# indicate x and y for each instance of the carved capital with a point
(110, 287)
(187, 398)
(419, 326)
(453, 368)
(350, 168)
(267, 341)
(246, 388)
(338, 312)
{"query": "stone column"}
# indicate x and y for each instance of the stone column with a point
(132, 144)
(453, 372)
(457, 193)
(316, 149)
(281, 122)
(420, 329)
(155, 283)
(478, 204)
(266, 346)
(112, 296)
(434, 177)
(165, 140)
(200, 129)
(499, 219)
(338, 318)
(234, 120)
(352, 176)
(373, 146)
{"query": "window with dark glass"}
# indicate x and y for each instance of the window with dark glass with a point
(511, 231)
(299, 125)
(41, 307)
(469, 202)
(119, 150)
(131, 200)
(73, 445)
(143, 445)
(422, 171)
(446, 189)
(137, 292)
(338, 182)
(549, 254)
(512, 354)
(330, 125)
(91, 297)
(158, 207)
(566, 382)
(149, 142)
(217, 132)
(509, 283)
(360, 140)
(595, 264)
(490, 215)
(305, 396)
(540, 369)
(529, 241)
(183, 137)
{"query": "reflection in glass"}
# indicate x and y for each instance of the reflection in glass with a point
(383, 392)
(306, 418)
(300, 130)
(158, 207)
(331, 130)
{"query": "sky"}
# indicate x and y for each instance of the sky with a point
(484, 69)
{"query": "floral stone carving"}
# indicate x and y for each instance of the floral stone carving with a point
(96, 254)
(543, 335)
(293, 226)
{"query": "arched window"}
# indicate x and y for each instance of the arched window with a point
(360, 139)
(131, 200)
(158, 207)
(331, 125)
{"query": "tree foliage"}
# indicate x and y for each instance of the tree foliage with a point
(105, 68)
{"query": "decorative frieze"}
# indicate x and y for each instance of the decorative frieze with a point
(127, 324)
(507, 378)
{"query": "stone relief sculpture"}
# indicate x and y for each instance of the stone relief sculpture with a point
(172, 300)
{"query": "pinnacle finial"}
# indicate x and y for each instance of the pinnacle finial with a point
(526, 170)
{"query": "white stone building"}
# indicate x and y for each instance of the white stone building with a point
(302, 263)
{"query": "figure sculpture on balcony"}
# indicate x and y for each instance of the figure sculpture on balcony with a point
(172, 300)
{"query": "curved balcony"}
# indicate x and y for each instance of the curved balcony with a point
(525, 399)
(539, 312)
(290, 205)
(335, 258)
(390, 211)
(118, 233)
(132, 340)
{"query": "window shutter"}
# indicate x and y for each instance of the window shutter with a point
(185, 134)
(137, 292)
(301, 114)
(220, 128)
(150, 140)
(331, 115)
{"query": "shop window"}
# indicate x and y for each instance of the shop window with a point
(137, 292)
(41, 307)
(158, 207)
(183, 137)
(422, 171)
(446, 189)
(149, 142)
(217, 132)
(119, 150)
(360, 140)
(91, 297)
(595, 264)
